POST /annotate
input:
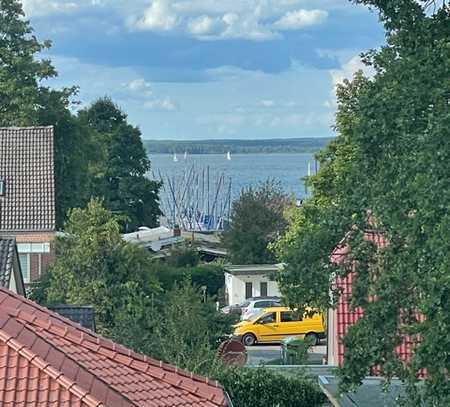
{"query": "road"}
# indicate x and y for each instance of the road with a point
(264, 354)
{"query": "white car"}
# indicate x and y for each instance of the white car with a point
(255, 306)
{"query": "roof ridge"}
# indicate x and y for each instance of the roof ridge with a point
(81, 333)
(16, 313)
(43, 309)
(120, 354)
(49, 370)
(26, 127)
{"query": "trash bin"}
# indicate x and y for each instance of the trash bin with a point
(294, 350)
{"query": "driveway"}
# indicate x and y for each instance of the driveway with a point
(265, 354)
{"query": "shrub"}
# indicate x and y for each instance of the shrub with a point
(262, 388)
(183, 256)
(209, 275)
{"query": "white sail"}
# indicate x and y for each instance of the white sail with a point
(185, 155)
(228, 156)
(309, 168)
(175, 159)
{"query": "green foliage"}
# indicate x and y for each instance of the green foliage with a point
(183, 256)
(120, 176)
(387, 170)
(178, 327)
(75, 151)
(20, 71)
(24, 101)
(95, 266)
(261, 388)
(208, 275)
(257, 220)
(151, 307)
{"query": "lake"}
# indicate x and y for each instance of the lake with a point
(186, 179)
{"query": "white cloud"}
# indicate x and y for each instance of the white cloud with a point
(226, 19)
(37, 8)
(347, 70)
(123, 84)
(164, 105)
(298, 19)
(158, 17)
(206, 25)
(267, 103)
(140, 86)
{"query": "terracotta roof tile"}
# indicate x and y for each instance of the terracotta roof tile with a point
(67, 365)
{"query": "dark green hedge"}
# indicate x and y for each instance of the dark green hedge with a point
(250, 387)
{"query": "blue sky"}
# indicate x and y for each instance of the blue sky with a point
(196, 69)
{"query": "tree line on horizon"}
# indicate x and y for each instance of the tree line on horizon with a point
(241, 146)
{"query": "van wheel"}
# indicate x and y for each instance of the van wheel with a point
(248, 339)
(312, 338)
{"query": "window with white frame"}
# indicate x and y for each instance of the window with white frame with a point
(24, 259)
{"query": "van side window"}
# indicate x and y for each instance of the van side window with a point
(289, 316)
(268, 318)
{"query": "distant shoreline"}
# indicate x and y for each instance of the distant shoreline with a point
(269, 146)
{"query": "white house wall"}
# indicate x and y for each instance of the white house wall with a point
(235, 287)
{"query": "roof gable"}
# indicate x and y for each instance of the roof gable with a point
(99, 372)
(27, 175)
(10, 266)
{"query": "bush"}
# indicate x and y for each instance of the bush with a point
(210, 275)
(263, 388)
(183, 256)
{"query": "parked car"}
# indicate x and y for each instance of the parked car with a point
(274, 324)
(255, 306)
(239, 308)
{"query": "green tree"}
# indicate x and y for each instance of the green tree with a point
(95, 266)
(388, 169)
(25, 101)
(121, 174)
(75, 151)
(21, 72)
(257, 219)
(191, 345)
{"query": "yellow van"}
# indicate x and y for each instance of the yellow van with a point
(275, 324)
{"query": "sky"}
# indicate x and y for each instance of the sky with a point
(210, 69)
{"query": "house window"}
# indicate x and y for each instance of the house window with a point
(263, 289)
(24, 259)
(248, 290)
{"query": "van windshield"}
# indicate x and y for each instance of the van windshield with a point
(257, 315)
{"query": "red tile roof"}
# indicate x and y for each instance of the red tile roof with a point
(27, 171)
(46, 360)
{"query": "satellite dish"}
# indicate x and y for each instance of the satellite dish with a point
(232, 353)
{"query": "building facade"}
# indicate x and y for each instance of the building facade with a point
(242, 282)
(27, 195)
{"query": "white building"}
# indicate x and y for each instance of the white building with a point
(242, 282)
(154, 239)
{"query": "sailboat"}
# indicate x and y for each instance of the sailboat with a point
(175, 159)
(228, 156)
(185, 155)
